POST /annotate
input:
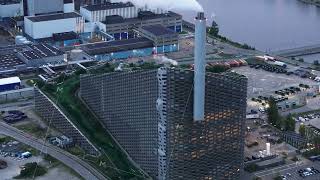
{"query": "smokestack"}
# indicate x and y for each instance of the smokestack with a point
(199, 67)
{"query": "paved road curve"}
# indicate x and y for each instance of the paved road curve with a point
(78, 165)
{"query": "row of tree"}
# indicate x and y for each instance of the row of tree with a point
(274, 118)
(214, 31)
(288, 124)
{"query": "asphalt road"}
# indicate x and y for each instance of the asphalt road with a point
(75, 163)
(292, 169)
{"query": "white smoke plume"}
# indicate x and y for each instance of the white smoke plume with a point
(164, 60)
(192, 5)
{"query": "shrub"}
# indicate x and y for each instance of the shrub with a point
(30, 170)
(251, 168)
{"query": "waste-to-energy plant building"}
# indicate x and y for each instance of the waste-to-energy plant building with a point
(150, 113)
(161, 119)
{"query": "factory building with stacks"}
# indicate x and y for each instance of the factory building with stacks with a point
(168, 126)
(40, 15)
(102, 32)
(111, 16)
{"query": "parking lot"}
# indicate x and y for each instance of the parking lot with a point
(292, 169)
(54, 171)
(261, 82)
(14, 165)
(33, 124)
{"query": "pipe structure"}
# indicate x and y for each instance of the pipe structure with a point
(199, 67)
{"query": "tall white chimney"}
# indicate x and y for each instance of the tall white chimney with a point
(199, 67)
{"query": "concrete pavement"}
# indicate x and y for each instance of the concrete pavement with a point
(75, 163)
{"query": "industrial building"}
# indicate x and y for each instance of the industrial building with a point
(120, 27)
(7, 84)
(41, 54)
(120, 19)
(10, 62)
(313, 129)
(44, 26)
(150, 113)
(99, 12)
(62, 141)
(18, 8)
(160, 35)
(171, 135)
(41, 7)
(148, 40)
(61, 27)
(50, 112)
(10, 8)
(144, 35)
(28, 56)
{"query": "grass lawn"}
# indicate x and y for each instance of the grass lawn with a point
(33, 129)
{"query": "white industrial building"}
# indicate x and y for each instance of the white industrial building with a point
(68, 6)
(98, 12)
(41, 7)
(10, 8)
(44, 26)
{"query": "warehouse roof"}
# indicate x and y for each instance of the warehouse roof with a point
(114, 19)
(151, 16)
(116, 46)
(64, 36)
(98, 7)
(158, 30)
(9, 61)
(52, 17)
(315, 123)
(39, 51)
(9, 80)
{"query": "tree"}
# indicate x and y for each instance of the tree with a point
(316, 62)
(289, 123)
(316, 142)
(29, 171)
(217, 69)
(214, 29)
(302, 130)
(251, 168)
(274, 117)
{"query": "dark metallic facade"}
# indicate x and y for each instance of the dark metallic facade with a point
(150, 113)
(50, 112)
